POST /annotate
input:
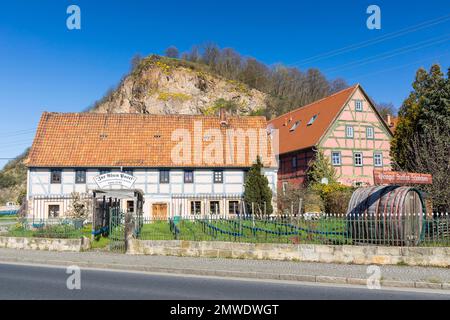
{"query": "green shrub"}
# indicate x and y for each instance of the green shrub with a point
(335, 196)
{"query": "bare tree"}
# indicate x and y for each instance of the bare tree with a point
(431, 150)
(172, 52)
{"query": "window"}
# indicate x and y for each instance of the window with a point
(55, 176)
(233, 207)
(369, 132)
(214, 207)
(294, 163)
(218, 176)
(358, 105)
(196, 207)
(378, 159)
(349, 132)
(105, 171)
(80, 176)
(358, 159)
(312, 120)
(189, 177)
(295, 126)
(129, 172)
(164, 176)
(53, 211)
(336, 158)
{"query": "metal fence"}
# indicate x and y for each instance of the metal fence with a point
(50, 228)
(409, 230)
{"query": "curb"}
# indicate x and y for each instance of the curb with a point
(238, 274)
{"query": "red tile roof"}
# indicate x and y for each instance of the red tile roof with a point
(305, 136)
(125, 140)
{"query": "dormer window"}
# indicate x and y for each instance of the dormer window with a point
(295, 126)
(312, 120)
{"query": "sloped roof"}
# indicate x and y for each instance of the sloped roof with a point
(125, 140)
(305, 136)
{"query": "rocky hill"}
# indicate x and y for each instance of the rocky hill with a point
(160, 85)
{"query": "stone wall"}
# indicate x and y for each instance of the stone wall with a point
(70, 245)
(439, 257)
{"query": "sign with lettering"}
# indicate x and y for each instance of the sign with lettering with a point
(115, 179)
(401, 178)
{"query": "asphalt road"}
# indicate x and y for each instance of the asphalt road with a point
(41, 283)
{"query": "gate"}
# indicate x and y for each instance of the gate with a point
(117, 230)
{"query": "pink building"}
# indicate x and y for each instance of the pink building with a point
(346, 127)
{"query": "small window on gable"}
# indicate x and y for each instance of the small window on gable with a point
(312, 120)
(349, 132)
(358, 105)
(295, 126)
(369, 133)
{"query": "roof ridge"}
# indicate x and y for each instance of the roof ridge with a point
(150, 115)
(315, 102)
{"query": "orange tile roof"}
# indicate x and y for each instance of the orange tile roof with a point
(305, 136)
(125, 140)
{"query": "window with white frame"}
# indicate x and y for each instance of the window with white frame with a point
(378, 159)
(358, 159)
(369, 133)
(358, 105)
(349, 132)
(336, 158)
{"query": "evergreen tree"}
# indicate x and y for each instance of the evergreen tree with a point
(258, 194)
(321, 168)
(422, 139)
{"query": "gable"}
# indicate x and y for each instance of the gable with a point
(335, 136)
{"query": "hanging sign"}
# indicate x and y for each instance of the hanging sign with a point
(401, 178)
(107, 180)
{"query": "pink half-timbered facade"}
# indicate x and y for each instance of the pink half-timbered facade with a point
(346, 127)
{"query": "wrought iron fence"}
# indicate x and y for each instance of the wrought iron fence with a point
(334, 229)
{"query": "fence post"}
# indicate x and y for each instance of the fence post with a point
(129, 226)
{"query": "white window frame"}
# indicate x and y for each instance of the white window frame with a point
(354, 159)
(347, 135)
(358, 105)
(375, 159)
(372, 136)
(333, 153)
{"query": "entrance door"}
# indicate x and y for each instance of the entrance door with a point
(159, 211)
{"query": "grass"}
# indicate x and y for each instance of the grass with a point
(100, 243)
(243, 231)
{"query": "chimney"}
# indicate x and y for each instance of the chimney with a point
(223, 117)
(389, 122)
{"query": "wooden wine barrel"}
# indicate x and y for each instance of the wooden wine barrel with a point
(386, 215)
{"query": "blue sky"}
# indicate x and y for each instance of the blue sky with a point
(46, 67)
